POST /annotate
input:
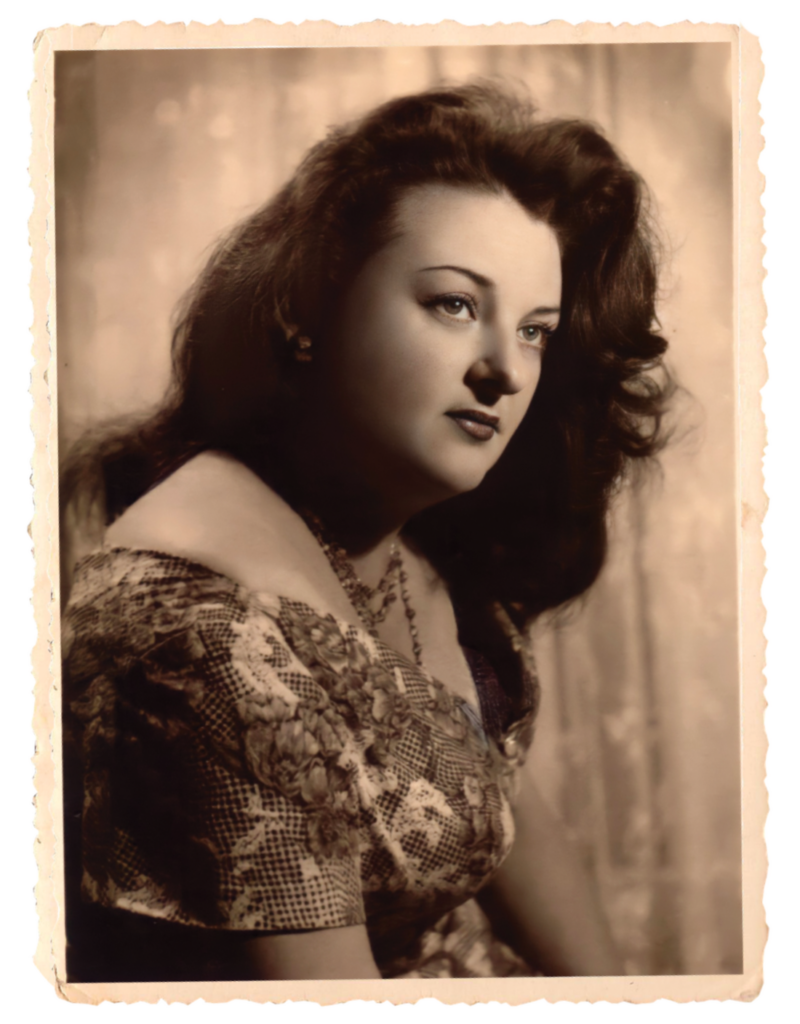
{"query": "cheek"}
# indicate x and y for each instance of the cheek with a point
(521, 402)
(399, 365)
(405, 396)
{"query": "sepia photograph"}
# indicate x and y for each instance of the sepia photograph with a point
(399, 605)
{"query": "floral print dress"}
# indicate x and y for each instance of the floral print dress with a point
(248, 764)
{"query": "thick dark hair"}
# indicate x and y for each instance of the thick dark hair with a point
(533, 534)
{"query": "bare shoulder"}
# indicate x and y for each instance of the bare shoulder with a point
(215, 511)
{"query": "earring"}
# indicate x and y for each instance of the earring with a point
(301, 346)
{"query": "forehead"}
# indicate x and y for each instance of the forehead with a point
(444, 224)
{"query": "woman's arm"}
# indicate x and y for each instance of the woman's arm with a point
(304, 956)
(542, 902)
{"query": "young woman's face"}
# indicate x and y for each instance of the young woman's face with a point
(438, 348)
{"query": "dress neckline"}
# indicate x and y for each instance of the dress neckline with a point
(473, 714)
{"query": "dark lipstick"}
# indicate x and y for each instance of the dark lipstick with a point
(480, 425)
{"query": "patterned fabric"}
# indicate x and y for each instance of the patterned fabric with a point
(250, 764)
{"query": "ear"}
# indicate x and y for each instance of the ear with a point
(301, 345)
(290, 330)
(286, 325)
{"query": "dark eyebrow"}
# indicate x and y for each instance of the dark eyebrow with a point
(486, 282)
(479, 279)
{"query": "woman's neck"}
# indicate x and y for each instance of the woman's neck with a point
(361, 520)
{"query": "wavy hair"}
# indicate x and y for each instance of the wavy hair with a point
(533, 534)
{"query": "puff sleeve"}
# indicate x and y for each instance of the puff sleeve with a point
(217, 777)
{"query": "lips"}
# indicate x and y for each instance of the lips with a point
(480, 425)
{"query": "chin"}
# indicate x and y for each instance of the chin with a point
(433, 480)
(449, 484)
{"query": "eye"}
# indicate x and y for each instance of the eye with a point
(536, 335)
(454, 307)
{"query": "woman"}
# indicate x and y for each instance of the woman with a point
(297, 691)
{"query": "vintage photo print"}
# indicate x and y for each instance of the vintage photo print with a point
(398, 512)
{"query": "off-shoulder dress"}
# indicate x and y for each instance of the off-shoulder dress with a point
(237, 762)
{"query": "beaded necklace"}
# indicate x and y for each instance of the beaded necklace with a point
(363, 597)
(411, 615)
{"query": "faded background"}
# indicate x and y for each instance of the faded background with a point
(157, 152)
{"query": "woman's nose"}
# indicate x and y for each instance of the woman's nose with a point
(499, 367)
